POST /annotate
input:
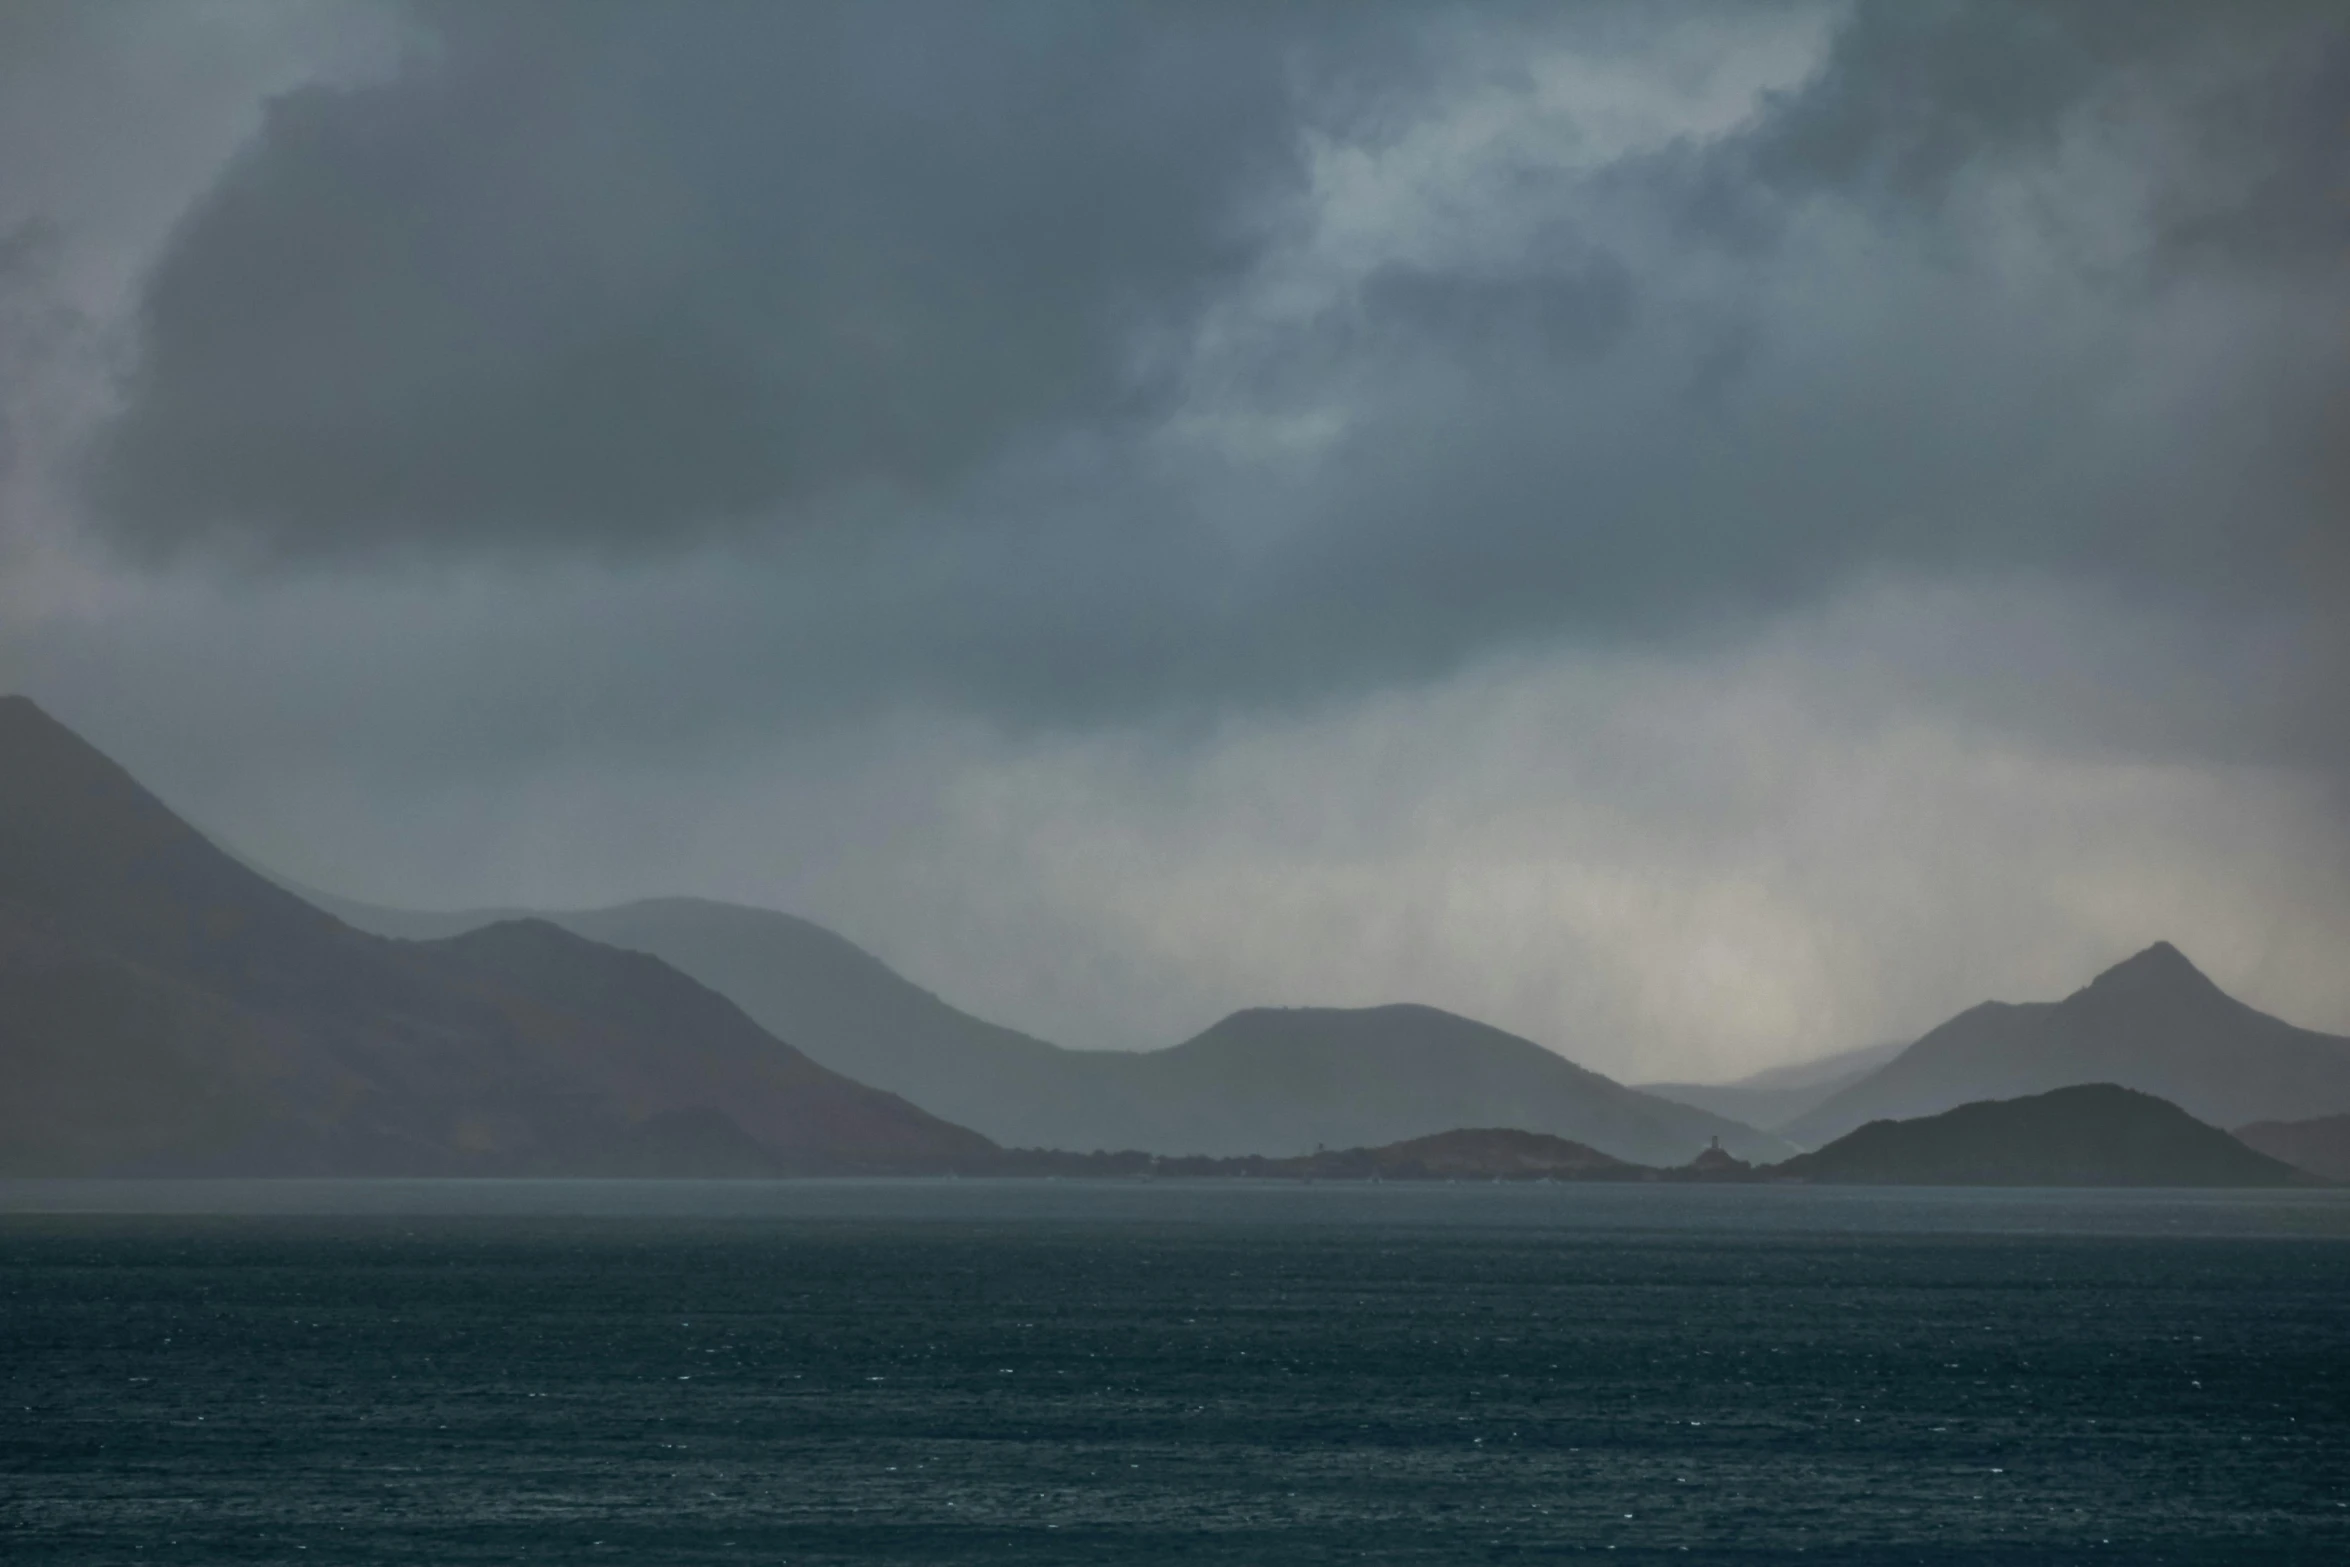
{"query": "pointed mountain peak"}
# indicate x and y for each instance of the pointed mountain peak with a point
(81, 838)
(2161, 969)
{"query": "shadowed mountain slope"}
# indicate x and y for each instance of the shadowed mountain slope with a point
(2091, 1134)
(2321, 1145)
(1777, 1095)
(839, 1003)
(163, 1009)
(1273, 1082)
(2153, 1023)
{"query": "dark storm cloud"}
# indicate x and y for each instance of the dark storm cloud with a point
(608, 276)
(2275, 185)
(1730, 458)
(1913, 93)
(621, 280)
(1914, 96)
(40, 329)
(21, 328)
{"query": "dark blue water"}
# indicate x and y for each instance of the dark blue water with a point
(1062, 1373)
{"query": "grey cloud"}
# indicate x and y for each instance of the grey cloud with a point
(23, 327)
(2274, 173)
(605, 277)
(612, 286)
(42, 331)
(1915, 96)
(1914, 91)
(1891, 393)
(1568, 312)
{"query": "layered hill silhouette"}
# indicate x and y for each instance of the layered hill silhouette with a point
(163, 1009)
(1286, 1080)
(2091, 1134)
(1777, 1095)
(2320, 1145)
(829, 997)
(2154, 1023)
(1277, 1082)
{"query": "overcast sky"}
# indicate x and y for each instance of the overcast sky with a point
(1702, 534)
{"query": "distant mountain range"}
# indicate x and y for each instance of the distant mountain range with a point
(164, 1007)
(165, 1010)
(1281, 1082)
(2091, 1134)
(1284, 1080)
(1277, 1082)
(829, 997)
(1777, 1095)
(2153, 1023)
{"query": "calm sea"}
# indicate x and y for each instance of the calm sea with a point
(944, 1372)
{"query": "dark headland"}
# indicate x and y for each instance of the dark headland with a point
(2091, 1134)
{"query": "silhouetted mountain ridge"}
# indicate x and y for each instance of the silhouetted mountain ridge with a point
(1776, 1095)
(2153, 1022)
(1270, 1081)
(2160, 971)
(1284, 1079)
(164, 1009)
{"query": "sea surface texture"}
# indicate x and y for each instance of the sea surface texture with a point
(1046, 1373)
